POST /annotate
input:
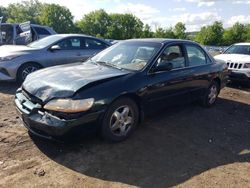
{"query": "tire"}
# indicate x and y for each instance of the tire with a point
(25, 70)
(120, 120)
(211, 94)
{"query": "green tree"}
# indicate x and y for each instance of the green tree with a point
(159, 33)
(180, 31)
(147, 32)
(247, 34)
(169, 33)
(211, 35)
(235, 34)
(58, 17)
(95, 23)
(124, 26)
(164, 33)
(25, 11)
(3, 13)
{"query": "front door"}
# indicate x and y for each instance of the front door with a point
(170, 86)
(23, 34)
(71, 50)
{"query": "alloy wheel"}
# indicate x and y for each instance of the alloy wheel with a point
(121, 121)
(213, 93)
(28, 70)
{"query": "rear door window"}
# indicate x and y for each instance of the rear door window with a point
(196, 56)
(94, 44)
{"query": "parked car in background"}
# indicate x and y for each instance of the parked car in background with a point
(215, 50)
(237, 58)
(16, 62)
(22, 34)
(115, 88)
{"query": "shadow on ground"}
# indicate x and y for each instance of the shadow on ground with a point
(239, 85)
(8, 87)
(169, 147)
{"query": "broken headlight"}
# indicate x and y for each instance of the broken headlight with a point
(69, 105)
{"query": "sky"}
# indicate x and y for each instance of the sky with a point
(164, 13)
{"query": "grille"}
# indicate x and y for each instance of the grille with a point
(232, 65)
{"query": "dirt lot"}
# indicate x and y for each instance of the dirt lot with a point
(187, 146)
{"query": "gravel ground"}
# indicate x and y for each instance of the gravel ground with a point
(185, 146)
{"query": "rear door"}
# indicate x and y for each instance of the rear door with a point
(200, 65)
(93, 46)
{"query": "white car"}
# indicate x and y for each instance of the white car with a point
(237, 58)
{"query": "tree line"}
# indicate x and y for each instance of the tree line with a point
(117, 26)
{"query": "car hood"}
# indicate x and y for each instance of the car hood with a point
(239, 58)
(64, 81)
(7, 50)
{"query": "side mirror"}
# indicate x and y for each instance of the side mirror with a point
(163, 66)
(55, 47)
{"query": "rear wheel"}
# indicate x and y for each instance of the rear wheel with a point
(120, 120)
(25, 70)
(211, 94)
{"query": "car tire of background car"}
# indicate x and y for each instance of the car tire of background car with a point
(211, 94)
(26, 69)
(120, 120)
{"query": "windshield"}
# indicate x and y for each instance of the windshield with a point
(44, 42)
(128, 55)
(238, 49)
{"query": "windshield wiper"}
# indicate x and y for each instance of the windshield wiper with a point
(109, 64)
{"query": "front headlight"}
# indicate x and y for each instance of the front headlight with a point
(69, 105)
(247, 66)
(8, 58)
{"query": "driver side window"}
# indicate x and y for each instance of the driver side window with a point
(172, 54)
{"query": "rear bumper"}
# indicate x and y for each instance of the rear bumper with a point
(44, 124)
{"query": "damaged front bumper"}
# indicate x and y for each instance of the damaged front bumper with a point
(46, 125)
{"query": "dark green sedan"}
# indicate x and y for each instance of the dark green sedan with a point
(115, 89)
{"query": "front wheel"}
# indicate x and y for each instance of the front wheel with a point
(211, 95)
(25, 70)
(120, 120)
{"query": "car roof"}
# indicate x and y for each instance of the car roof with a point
(81, 35)
(161, 40)
(74, 35)
(243, 44)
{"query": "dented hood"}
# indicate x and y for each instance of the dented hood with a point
(64, 81)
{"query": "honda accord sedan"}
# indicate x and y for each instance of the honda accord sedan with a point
(16, 61)
(115, 89)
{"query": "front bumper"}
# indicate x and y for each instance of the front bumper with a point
(44, 124)
(240, 75)
(8, 70)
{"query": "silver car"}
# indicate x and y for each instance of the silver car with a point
(16, 62)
